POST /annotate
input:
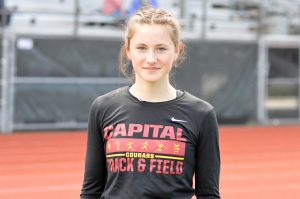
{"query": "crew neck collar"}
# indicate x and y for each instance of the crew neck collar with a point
(179, 95)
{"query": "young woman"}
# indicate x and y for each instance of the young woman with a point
(149, 139)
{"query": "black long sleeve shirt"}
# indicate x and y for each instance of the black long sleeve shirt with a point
(139, 149)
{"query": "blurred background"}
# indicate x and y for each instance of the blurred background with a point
(59, 55)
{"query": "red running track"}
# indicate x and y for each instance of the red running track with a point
(257, 163)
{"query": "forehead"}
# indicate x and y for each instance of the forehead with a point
(152, 34)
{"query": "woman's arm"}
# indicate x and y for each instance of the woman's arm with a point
(207, 171)
(95, 163)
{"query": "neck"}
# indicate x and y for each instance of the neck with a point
(153, 92)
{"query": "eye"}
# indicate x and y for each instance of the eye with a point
(142, 48)
(161, 49)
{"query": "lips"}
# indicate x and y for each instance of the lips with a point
(151, 68)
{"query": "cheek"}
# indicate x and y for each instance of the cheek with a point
(137, 57)
(136, 61)
(169, 60)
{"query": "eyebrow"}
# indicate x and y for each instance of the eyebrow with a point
(142, 44)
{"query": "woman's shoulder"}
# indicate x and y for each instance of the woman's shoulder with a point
(196, 103)
(111, 97)
(112, 94)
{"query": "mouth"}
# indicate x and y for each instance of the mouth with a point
(151, 68)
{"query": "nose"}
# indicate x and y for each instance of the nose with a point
(151, 58)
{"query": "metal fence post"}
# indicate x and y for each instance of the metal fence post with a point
(7, 92)
(261, 81)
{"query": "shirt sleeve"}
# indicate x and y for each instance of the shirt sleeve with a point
(207, 171)
(95, 163)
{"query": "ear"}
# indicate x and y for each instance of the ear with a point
(177, 52)
(128, 54)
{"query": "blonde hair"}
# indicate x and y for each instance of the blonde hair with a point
(150, 16)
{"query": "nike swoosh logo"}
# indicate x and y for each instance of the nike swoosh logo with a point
(177, 120)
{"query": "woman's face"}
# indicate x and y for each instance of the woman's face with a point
(152, 53)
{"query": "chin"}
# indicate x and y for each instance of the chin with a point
(146, 77)
(152, 80)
